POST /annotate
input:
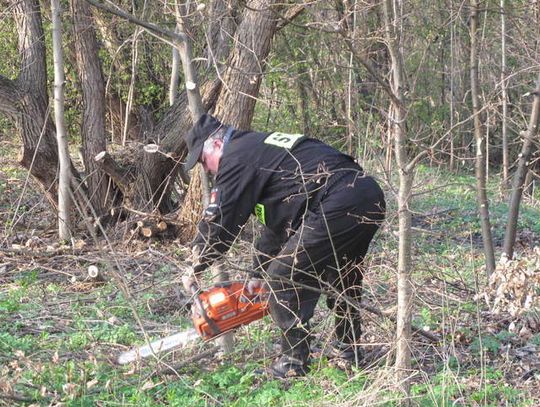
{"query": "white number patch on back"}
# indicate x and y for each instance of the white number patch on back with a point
(283, 139)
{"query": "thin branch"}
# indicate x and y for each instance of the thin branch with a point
(289, 15)
(152, 28)
(192, 359)
(425, 152)
(372, 70)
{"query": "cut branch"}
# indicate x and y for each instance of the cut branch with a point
(95, 274)
(120, 175)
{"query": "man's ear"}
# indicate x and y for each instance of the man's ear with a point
(218, 144)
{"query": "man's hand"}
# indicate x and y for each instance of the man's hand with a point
(189, 280)
(194, 257)
(253, 285)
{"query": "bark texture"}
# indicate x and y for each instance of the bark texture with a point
(93, 91)
(242, 78)
(221, 29)
(504, 99)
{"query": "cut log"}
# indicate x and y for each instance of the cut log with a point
(161, 226)
(151, 148)
(95, 274)
(148, 229)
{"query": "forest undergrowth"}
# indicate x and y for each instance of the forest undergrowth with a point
(60, 333)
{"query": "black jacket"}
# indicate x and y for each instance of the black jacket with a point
(277, 177)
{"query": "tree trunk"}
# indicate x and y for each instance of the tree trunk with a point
(504, 97)
(452, 95)
(40, 152)
(64, 178)
(398, 124)
(242, 79)
(521, 172)
(93, 93)
(131, 90)
(352, 91)
(175, 76)
(481, 193)
(200, 187)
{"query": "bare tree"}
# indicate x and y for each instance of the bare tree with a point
(398, 124)
(521, 172)
(452, 94)
(397, 116)
(64, 178)
(481, 192)
(504, 101)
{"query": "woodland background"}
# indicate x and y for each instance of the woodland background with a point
(439, 100)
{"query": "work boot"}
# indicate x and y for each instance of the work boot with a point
(295, 353)
(341, 352)
(348, 352)
(288, 366)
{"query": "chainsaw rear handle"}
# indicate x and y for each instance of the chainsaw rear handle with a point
(211, 323)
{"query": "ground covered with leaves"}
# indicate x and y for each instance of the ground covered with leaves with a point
(61, 331)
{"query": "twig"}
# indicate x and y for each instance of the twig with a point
(174, 368)
(420, 331)
(16, 397)
(30, 252)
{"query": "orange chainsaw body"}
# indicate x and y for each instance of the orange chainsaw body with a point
(228, 306)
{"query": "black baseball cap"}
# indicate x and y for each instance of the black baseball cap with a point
(195, 138)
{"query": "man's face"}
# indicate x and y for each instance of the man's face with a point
(211, 155)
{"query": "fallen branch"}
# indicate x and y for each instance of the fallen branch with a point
(18, 398)
(174, 368)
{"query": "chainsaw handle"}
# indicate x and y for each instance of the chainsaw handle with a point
(255, 296)
(194, 289)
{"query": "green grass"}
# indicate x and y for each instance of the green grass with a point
(455, 193)
(447, 386)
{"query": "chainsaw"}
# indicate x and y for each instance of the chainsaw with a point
(218, 310)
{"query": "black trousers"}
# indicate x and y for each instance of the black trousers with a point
(325, 255)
